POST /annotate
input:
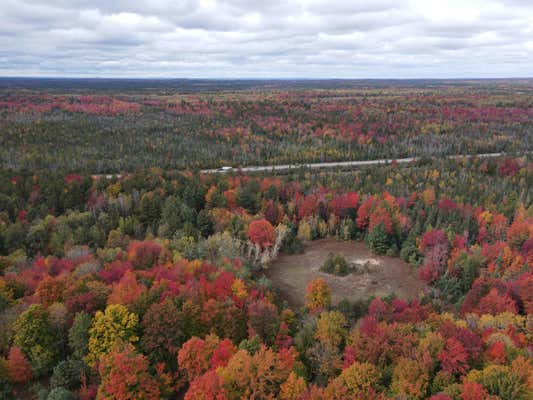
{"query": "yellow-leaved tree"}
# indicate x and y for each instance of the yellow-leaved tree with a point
(331, 328)
(293, 388)
(359, 379)
(109, 327)
(410, 379)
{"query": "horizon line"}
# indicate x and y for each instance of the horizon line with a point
(264, 78)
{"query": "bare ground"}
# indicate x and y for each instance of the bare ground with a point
(384, 275)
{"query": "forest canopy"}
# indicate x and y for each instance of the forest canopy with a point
(152, 282)
(105, 131)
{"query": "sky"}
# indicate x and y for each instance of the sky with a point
(267, 39)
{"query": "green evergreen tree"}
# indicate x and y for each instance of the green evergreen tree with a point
(78, 334)
(150, 212)
(249, 197)
(171, 219)
(204, 223)
(378, 240)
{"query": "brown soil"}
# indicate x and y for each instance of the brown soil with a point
(383, 275)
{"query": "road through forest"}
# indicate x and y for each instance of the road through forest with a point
(324, 165)
(339, 164)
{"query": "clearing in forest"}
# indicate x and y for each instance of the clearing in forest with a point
(382, 275)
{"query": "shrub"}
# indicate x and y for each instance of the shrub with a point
(336, 265)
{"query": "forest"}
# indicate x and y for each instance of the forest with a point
(111, 131)
(153, 283)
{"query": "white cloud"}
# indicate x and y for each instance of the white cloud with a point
(276, 38)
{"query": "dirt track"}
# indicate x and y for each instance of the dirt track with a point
(386, 275)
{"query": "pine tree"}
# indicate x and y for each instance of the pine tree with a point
(249, 197)
(378, 240)
(204, 223)
(171, 216)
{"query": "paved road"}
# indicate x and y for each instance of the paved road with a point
(341, 164)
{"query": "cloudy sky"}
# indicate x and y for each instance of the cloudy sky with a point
(267, 38)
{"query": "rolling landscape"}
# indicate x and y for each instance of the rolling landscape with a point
(346, 275)
(303, 200)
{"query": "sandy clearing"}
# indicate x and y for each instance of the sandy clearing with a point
(290, 274)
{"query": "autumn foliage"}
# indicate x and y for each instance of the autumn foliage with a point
(318, 294)
(18, 366)
(125, 376)
(146, 285)
(261, 232)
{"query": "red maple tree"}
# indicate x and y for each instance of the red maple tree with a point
(261, 232)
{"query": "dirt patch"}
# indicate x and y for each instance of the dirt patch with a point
(383, 275)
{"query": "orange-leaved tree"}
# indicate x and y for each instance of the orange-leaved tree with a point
(318, 294)
(18, 366)
(261, 232)
(125, 375)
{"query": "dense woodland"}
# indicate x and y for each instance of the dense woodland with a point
(113, 131)
(151, 284)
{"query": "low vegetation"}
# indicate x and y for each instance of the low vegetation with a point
(336, 264)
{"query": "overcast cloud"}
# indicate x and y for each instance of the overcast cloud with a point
(267, 39)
